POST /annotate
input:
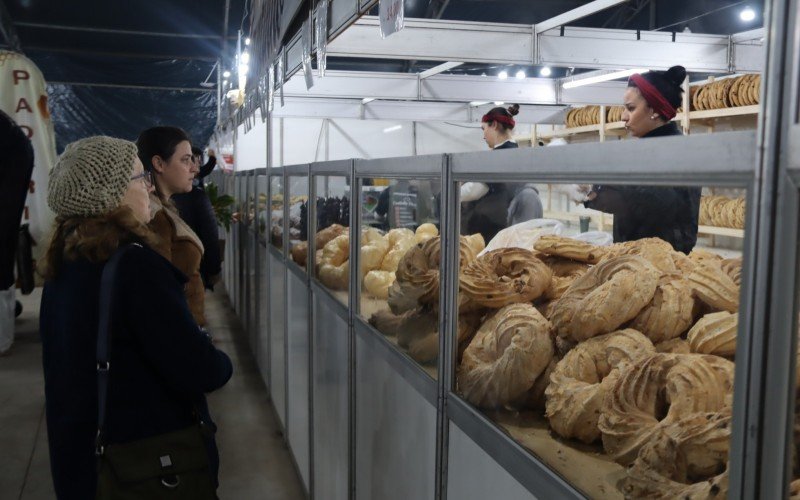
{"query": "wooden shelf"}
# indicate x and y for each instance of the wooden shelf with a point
(708, 114)
(606, 220)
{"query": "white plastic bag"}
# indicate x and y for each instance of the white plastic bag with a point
(7, 303)
(524, 234)
(596, 238)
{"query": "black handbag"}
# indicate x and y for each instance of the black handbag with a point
(174, 465)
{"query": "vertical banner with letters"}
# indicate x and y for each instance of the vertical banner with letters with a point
(23, 97)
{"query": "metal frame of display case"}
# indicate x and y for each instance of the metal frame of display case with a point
(339, 168)
(291, 268)
(262, 333)
(278, 256)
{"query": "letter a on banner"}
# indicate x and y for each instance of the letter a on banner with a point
(392, 15)
(23, 97)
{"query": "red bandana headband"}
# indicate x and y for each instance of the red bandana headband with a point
(499, 118)
(654, 98)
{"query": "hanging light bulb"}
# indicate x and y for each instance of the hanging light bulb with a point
(502, 75)
(245, 58)
(226, 73)
(520, 75)
(747, 14)
(546, 71)
(247, 41)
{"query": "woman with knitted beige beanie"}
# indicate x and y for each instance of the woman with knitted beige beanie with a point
(166, 152)
(159, 364)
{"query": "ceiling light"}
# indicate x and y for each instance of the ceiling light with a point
(502, 75)
(747, 14)
(546, 71)
(602, 78)
(224, 83)
(498, 103)
(394, 128)
(226, 73)
(247, 41)
(520, 75)
(245, 58)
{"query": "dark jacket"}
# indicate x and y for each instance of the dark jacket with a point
(16, 167)
(161, 363)
(505, 204)
(205, 170)
(669, 213)
(196, 210)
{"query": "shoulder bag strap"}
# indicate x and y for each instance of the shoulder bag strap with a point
(107, 291)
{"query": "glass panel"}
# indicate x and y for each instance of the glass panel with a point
(261, 209)
(276, 214)
(400, 264)
(612, 363)
(332, 238)
(298, 219)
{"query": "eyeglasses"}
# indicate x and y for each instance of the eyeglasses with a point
(146, 176)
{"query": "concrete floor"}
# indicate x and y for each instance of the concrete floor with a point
(255, 462)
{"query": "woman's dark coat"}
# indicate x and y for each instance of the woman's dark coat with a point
(161, 363)
(669, 213)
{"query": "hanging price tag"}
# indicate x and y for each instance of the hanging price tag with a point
(306, 46)
(392, 15)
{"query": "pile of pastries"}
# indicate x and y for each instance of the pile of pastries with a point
(722, 211)
(727, 93)
(380, 255)
(630, 346)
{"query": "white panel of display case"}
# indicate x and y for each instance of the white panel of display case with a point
(251, 147)
(331, 402)
(297, 398)
(277, 336)
(395, 433)
(473, 474)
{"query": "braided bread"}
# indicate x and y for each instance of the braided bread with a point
(671, 385)
(715, 333)
(582, 379)
(569, 248)
(670, 313)
(505, 276)
(607, 296)
(509, 352)
(714, 287)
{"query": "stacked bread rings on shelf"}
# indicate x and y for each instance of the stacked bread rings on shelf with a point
(722, 211)
(630, 347)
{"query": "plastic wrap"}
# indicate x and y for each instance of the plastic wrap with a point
(392, 16)
(524, 234)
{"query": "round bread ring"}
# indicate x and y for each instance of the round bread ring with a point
(701, 96)
(373, 249)
(670, 313)
(746, 94)
(758, 89)
(558, 286)
(725, 93)
(581, 381)
(563, 268)
(698, 255)
(674, 346)
(299, 253)
(425, 349)
(733, 94)
(505, 276)
(377, 283)
(696, 97)
(607, 296)
(509, 352)
(417, 273)
(325, 235)
(569, 248)
(715, 333)
(714, 287)
(685, 459)
(425, 232)
(334, 265)
(688, 383)
(400, 241)
(751, 90)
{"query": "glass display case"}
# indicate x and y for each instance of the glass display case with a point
(399, 262)
(276, 212)
(331, 246)
(610, 362)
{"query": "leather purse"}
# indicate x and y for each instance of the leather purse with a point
(173, 465)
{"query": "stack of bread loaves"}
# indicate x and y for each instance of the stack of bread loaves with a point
(722, 211)
(630, 346)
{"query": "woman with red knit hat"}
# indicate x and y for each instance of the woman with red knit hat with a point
(670, 213)
(487, 208)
